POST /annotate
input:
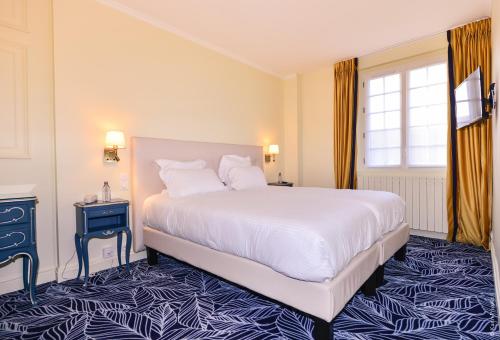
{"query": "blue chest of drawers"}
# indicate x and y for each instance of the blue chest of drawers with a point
(101, 220)
(18, 238)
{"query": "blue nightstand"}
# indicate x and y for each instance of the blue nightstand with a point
(102, 220)
(18, 237)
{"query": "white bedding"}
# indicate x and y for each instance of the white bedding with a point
(309, 234)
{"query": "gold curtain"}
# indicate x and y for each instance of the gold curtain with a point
(470, 47)
(344, 123)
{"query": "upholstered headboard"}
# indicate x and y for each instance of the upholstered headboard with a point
(145, 179)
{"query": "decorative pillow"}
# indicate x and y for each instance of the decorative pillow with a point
(228, 162)
(186, 182)
(171, 164)
(246, 177)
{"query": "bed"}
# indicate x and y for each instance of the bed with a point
(320, 293)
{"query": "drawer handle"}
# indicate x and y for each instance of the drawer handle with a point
(13, 244)
(14, 219)
(108, 232)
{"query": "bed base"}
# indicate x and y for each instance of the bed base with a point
(322, 330)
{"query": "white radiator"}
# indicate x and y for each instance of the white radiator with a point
(425, 198)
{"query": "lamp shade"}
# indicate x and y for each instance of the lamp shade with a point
(274, 149)
(115, 138)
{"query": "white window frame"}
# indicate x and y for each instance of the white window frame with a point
(402, 66)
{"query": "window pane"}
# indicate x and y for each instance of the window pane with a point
(376, 104)
(393, 119)
(383, 139)
(436, 94)
(375, 122)
(418, 116)
(383, 121)
(392, 83)
(418, 97)
(392, 101)
(427, 156)
(384, 157)
(418, 77)
(427, 116)
(394, 156)
(438, 114)
(437, 74)
(376, 86)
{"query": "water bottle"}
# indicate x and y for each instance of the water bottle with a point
(280, 179)
(106, 192)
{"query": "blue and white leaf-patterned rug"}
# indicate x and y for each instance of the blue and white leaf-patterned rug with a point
(441, 291)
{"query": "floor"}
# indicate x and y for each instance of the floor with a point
(441, 291)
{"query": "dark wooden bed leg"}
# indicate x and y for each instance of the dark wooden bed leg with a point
(401, 254)
(380, 275)
(322, 330)
(369, 288)
(152, 256)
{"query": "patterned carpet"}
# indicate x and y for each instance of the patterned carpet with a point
(441, 291)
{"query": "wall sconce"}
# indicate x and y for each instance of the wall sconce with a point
(272, 151)
(114, 140)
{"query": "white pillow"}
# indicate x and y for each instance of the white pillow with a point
(247, 177)
(171, 164)
(186, 182)
(228, 162)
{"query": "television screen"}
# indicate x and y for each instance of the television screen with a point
(469, 100)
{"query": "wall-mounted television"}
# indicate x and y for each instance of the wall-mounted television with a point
(469, 100)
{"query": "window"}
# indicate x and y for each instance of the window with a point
(383, 121)
(427, 109)
(406, 118)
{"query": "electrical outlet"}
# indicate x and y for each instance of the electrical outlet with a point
(108, 252)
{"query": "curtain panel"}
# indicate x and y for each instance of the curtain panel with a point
(469, 171)
(345, 99)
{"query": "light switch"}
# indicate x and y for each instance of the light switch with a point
(124, 181)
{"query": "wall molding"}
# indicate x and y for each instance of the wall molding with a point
(496, 275)
(425, 233)
(14, 283)
(14, 14)
(95, 265)
(15, 56)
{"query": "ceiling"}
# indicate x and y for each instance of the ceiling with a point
(284, 37)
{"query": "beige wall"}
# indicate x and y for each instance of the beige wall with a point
(38, 168)
(291, 123)
(316, 129)
(115, 72)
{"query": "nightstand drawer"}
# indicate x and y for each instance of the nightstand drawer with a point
(14, 213)
(106, 222)
(15, 237)
(105, 211)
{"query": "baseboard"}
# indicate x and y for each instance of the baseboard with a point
(496, 276)
(95, 265)
(12, 284)
(431, 234)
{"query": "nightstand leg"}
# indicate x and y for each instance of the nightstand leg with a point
(85, 251)
(119, 249)
(78, 246)
(127, 249)
(33, 274)
(26, 273)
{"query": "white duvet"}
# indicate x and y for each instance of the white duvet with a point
(309, 234)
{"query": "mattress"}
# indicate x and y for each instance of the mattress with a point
(308, 234)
